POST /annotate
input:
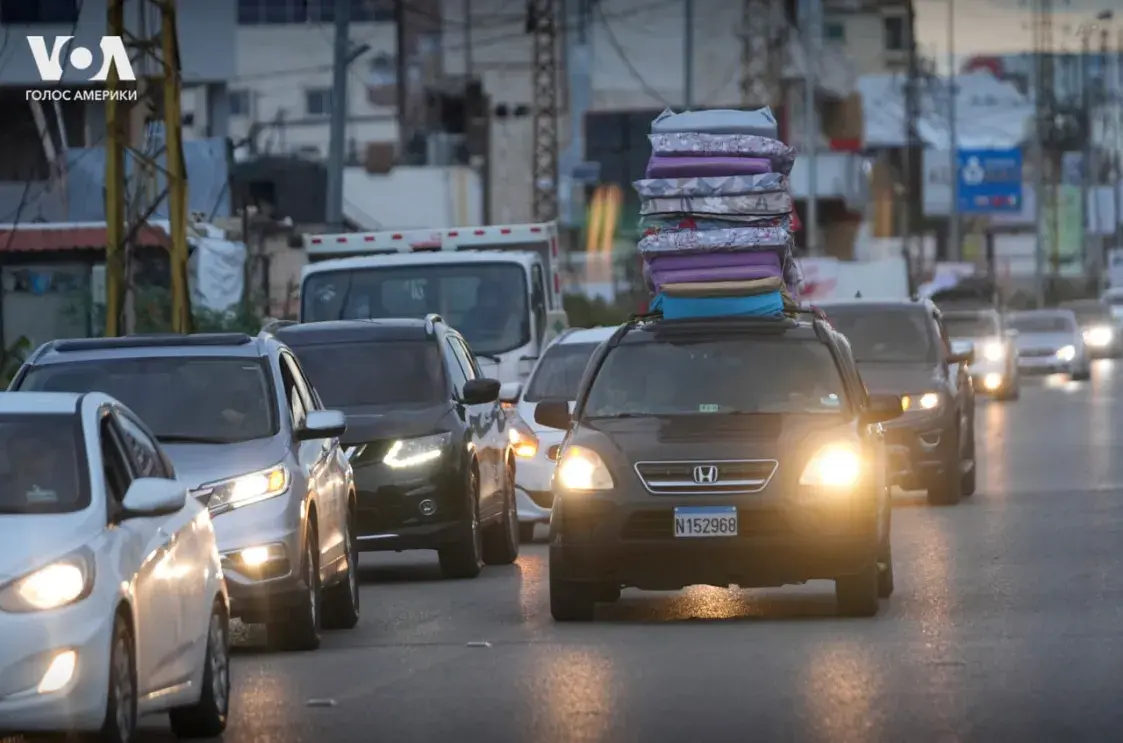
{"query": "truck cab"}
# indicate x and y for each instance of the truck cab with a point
(499, 286)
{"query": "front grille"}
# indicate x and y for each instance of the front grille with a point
(659, 523)
(700, 477)
(1037, 352)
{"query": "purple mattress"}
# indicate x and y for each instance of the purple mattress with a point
(657, 278)
(702, 267)
(660, 166)
(727, 259)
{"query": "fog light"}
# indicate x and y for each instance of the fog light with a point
(427, 507)
(992, 381)
(60, 672)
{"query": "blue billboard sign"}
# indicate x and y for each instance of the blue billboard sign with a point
(990, 181)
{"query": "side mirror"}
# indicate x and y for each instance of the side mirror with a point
(510, 391)
(883, 408)
(553, 414)
(965, 356)
(154, 496)
(481, 391)
(322, 424)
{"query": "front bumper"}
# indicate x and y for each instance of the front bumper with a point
(921, 446)
(1046, 365)
(30, 642)
(630, 542)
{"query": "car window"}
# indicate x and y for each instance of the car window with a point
(180, 399)
(303, 386)
(716, 376)
(1032, 322)
(893, 336)
(467, 359)
(115, 468)
(42, 465)
(559, 373)
(142, 449)
(394, 372)
(981, 325)
(295, 402)
(455, 367)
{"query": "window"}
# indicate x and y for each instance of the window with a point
(559, 373)
(114, 463)
(895, 33)
(394, 372)
(143, 451)
(972, 325)
(39, 11)
(253, 12)
(317, 102)
(878, 335)
(292, 396)
(239, 103)
(834, 31)
(466, 357)
(538, 301)
(455, 368)
(42, 465)
(1041, 322)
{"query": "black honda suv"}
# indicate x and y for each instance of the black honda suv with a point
(721, 451)
(426, 437)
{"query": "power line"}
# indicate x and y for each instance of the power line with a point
(636, 75)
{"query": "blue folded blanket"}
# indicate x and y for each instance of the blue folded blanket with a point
(681, 308)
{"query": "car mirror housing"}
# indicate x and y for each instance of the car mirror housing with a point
(322, 424)
(481, 391)
(553, 414)
(154, 496)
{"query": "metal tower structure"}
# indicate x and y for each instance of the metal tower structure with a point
(541, 21)
(147, 132)
(762, 38)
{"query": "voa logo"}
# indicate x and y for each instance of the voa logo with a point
(50, 63)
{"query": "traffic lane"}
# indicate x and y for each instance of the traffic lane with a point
(1005, 623)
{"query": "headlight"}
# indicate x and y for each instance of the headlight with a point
(583, 469)
(245, 490)
(1098, 336)
(1066, 353)
(994, 351)
(52, 587)
(523, 442)
(405, 453)
(924, 401)
(833, 466)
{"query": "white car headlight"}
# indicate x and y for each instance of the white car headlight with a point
(1066, 353)
(54, 586)
(924, 401)
(1098, 336)
(833, 466)
(245, 490)
(583, 469)
(994, 351)
(406, 453)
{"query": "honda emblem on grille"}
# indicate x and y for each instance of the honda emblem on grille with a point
(705, 474)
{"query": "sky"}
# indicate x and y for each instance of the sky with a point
(1003, 26)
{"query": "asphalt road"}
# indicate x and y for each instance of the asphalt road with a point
(1007, 625)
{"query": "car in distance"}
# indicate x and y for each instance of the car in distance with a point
(248, 433)
(426, 437)
(555, 377)
(689, 461)
(903, 348)
(112, 600)
(1103, 335)
(1051, 342)
(995, 369)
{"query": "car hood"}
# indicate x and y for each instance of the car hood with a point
(709, 437)
(899, 379)
(199, 464)
(32, 542)
(1045, 340)
(377, 423)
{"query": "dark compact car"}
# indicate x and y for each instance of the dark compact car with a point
(720, 451)
(426, 436)
(903, 348)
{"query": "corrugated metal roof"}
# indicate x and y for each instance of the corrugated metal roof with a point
(46, 238)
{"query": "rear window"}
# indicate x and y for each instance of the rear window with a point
(42, 465)
(1041, 323)
(979, 325)
(559, 373)
(759, 375)
(879, 335)
(375, 373)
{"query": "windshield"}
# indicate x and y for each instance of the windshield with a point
(486, 302)
(982, 325)
(1041, 323)
(1090, 312)
(182, 399)
(389, 373)
(42, 465)
(759, 375)
(884, 335)
(559, 372)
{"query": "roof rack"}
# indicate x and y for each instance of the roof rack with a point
(274, 325)
(430, 321)
(152, 341)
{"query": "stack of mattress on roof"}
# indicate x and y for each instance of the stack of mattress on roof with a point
(718, 215)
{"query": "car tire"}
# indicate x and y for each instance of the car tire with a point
(300, 630)
(341, 601)
(527, 530)
(967, 482)
(121, 699)
(570, 601)
(464, 558)
(501, 539)
(207, 717)
(857, 595)
(885, 582)
(1082, 375)
(946, 488)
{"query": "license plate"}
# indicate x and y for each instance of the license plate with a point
(706, 521)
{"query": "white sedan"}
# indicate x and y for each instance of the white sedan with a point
(112, 598)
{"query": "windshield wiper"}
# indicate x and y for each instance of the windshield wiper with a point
(186, 439)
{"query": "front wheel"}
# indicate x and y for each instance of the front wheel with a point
(464, 558)
(501, 539)
(857, 595)
(300, 630)
(121, 701)
(207, 717)
(341, 601)
(946, 488)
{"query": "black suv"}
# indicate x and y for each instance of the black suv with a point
(426, 437)
(720, 451)
(903, 347)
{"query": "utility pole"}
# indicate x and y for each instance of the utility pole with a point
(909, 166)
(1043, 85)
(760, 55)
(155, 47)
(541, 21)
(1086, 154)
(338, 142)
(812, 35)
(688, 54)
(955, 242)
(580, 80)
